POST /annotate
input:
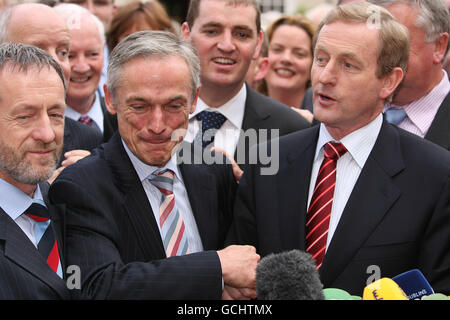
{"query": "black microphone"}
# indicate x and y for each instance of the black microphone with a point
(290, 275)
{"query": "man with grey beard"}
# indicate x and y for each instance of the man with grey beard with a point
(32, 104)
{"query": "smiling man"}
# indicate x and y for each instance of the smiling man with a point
(132, 202)
(354, 191)
(31, 137)
(39, 25)
(86, 57)
(227, 36)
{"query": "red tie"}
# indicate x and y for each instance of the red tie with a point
(318, 215)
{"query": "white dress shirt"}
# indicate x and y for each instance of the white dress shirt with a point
(359, 144)
(228, 135)
(14, 202)
(181, 198)
(95, 113)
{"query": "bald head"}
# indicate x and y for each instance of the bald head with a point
(39, 25)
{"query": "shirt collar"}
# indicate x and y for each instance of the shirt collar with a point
(95, 112)
(359, 143)
(144, 170)
(431, 101)
(14, 201)
(233, 109)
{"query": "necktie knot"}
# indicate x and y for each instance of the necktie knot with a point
(395, 115)
(211, 119)
(334, 150)
(86, 120)
(211, 122)
(163, 180)
(38, 212)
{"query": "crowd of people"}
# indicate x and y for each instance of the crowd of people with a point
(164, 159)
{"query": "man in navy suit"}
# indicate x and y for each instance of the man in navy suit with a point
(119, 199)
(31, 139)
(227, 35)
(387, 193)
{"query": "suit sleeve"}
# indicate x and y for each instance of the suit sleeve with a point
(93, 244)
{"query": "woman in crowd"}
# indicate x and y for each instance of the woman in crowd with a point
(138, 16)
(290, 57)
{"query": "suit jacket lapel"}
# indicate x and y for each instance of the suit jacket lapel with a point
(293, 187)
(439, 131)
(372, 196)
(201, 201)
(20, 250)
(252, 118)
(57, 214)
(135, 201)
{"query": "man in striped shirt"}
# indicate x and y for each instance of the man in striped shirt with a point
(424, 93)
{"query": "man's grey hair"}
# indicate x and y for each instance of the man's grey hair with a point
(433, 16)
(21, 57)
(72, 15)
(150, 44)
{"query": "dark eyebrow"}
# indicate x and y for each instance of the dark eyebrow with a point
(211, 25)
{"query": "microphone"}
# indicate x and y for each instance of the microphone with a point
(384, 289)
(290, 275)
(436, 296)
(414, 284)
(338, 294)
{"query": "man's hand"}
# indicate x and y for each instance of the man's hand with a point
(237, 171)
(305, 114)
(71, 157)
(239, 266)
(231, 293)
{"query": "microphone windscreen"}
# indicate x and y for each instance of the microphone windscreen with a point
(336, 294)
(384, 289)
(290, 275)
(436, 296)
(414, 284)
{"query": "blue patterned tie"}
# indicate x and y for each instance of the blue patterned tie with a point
(45, 235)
(211, 122)
(170, 219)
(395, 115)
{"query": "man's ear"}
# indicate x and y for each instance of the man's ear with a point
(185, 31)
(261, 68)
(440, 47)
(109, 101)
(194, 103)
(391, 82)
(258, 45)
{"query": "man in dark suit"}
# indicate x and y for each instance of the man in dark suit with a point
(356, 191)
(31, 139)
(39, 25)
(227, 36)
(85, 102)
(121, 200)
(423, 98)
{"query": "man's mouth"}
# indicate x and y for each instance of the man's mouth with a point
(79, 79)
(225, 61)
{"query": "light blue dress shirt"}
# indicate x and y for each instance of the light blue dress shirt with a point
(14, 202)
(181, 198)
